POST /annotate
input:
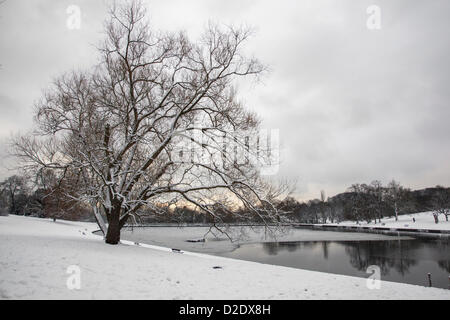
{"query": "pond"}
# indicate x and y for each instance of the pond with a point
(406, 261)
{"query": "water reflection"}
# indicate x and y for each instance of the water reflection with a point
(445, 264)
(389, 255)
(406, 261)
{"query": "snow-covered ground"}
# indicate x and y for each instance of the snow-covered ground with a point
(424, 220)
(35, 255)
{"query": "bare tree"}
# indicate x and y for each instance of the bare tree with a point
(116, 131)
(378, 193)
(396, 196)
(358, 202)
(12, 189)
(441, 203)
(336, 209)
(323, 206)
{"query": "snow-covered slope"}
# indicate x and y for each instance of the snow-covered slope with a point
(35, 255)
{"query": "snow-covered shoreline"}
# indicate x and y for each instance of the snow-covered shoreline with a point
(422, 221)
(36, 254)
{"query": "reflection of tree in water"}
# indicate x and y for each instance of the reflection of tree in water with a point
(273, 248)
(398, 255)
(270, 248)
(444, 264)
(325, 249)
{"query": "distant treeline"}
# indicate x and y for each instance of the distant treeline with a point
(361, 202)
(370, 203)
(18, 196)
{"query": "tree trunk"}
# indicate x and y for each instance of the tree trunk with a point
(113, 233)
(436, 219)
(396, 211)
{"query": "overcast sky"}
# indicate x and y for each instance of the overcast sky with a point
(352, 104)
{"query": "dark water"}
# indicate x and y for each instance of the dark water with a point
(406, 261)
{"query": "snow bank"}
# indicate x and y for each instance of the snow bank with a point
(35, 255)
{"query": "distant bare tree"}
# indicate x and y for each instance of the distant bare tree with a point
(358, 202)
(441, 203)
(336, 209)
(12, 189)
(394, 195)
(323, 206)
(378, 193)
(116, 131)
